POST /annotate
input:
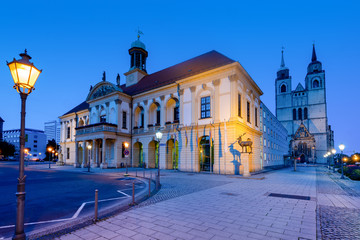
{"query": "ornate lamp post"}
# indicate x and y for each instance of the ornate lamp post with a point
(333, 151)
(342, 147)
(158, 135)
(24, 74)
(126, 145)
(49, 149)
(89, 147)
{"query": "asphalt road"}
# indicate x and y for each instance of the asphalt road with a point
(52, 194)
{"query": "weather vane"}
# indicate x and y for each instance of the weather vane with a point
(139, 33)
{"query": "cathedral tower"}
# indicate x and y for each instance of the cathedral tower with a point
(138, 55)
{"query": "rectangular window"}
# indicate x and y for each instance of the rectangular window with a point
(35, 146)
(103, 119)
(123, 150)
(124, 120)
(35, 141)
(68, 132)
(158, 117)
(67, 153)
(256, 117)
(248, 111)
(264, 128)
(239, 105)
(205, 107)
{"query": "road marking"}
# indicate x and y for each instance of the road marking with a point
(123, 193)
(78, 211)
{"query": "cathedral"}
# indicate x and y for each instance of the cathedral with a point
(303, 112)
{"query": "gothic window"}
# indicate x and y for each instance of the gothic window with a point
(300, 114)
(142, 119)
(294, 114)
(205, 107)
(305, 113)
(316, 83)
(283, 88)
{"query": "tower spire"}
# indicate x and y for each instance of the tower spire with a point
(282, 58)
(313, 57)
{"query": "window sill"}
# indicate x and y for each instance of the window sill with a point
(204, 118)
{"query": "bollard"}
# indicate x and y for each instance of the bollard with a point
(133, 194)
(96, 205)
(150, 174)
(149, 187)
(144, 173)
(136, 172)
(157, 182)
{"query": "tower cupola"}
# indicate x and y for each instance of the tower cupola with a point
(138, 55)
(315, 66)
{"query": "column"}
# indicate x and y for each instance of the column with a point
(233, 95)
(118, 114)
(93, 157)
(181, 110)
(146, 115)
(76, 164)
(193, 105)
(162, 111)
(84, 162)
(107, 112)
(216, 111)
(104, 163)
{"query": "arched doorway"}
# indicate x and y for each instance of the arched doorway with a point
(204, 154)
(152, 154)
(303, 158)
(171, 154)
(138, 155)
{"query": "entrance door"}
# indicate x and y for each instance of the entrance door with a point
(302, 158)
(204, 154)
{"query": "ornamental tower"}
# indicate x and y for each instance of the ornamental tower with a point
(138, 55)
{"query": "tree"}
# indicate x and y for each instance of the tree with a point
(6, 149)
(53, 145)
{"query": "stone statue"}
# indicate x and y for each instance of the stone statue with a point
(104, 76)
(91, 87)
(118, 80)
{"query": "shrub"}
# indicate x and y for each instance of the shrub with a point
(355, 175)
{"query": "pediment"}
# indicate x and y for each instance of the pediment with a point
(299, 88)
(102, 89)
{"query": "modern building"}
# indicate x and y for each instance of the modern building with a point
(35, 141)
(303, 112)
(202, 106)
(52, 131)
(1, 128)
(274, 139)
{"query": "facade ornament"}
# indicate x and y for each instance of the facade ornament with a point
(118, 101)
(104, 76)
(145, 102)
(203, 86)
(118, 80)
(233, 77)
(193, 88)
(216, 82)
(91, 87)
(181, 91)
(162, 98)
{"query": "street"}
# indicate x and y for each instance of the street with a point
(53, 195)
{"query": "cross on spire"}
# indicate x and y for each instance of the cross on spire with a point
(282, 57)
(313, 57)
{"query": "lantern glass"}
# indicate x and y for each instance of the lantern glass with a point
(24, 73)
(333, 151)
(159, 135)
(342, 147)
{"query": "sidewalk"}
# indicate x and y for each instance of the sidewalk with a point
(203, 206)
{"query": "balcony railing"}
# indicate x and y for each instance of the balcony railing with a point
(97, 127)
(153, 129)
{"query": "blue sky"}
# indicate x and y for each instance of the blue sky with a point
(75, 41)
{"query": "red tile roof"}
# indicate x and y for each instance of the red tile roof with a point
(193, 66)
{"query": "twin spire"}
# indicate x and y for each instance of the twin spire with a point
(313, 57)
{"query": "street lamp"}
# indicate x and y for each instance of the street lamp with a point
(126, 145)
(49, 149)
(333, 151)
(24, 74)
(342, 147)
(158, 135)
(89, 147)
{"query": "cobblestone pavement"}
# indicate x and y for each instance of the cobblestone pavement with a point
(339, 206)
(204, 206)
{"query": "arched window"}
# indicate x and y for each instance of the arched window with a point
(300, 114)
(283, 88)
(294, 114)
(315, 83)
(305, 113)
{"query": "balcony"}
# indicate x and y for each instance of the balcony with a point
(97, 127)
(169, 126)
